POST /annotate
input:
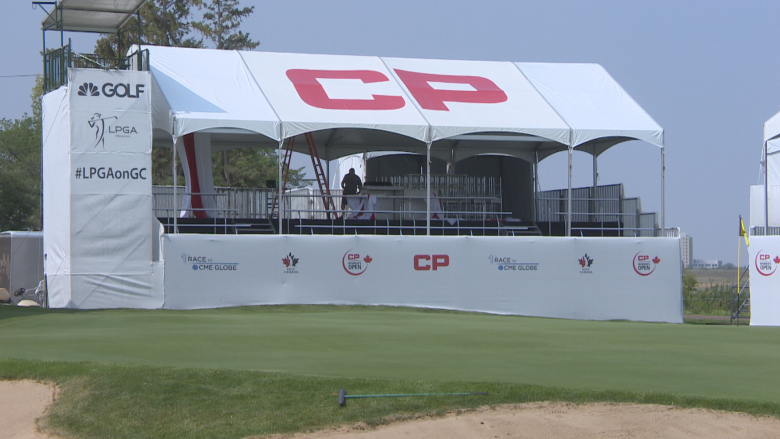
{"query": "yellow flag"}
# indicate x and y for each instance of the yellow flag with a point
(743, 232)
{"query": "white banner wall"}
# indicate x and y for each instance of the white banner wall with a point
(764, 280)
(574, 278)
(56, 195)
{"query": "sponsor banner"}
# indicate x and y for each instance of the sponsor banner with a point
(93, 90)
(111, 174)
(110, 111)
(764, 259)
(104, 131)
(578, 278)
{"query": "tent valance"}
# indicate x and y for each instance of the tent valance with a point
(365, 103)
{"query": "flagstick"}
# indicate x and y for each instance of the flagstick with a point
(742, 233)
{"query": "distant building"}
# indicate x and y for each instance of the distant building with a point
(707, 263)
(686, 244)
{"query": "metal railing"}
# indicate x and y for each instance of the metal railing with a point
(601, 205)
(248, 203)
(480, 211)
(57, 61)
(759, 231)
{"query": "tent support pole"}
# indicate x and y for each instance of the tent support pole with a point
(279, 184)
(593, 201)
(766, 188)
(663, 190)
(536, 182)
(568, 198)
(428, 190)
(175, 198)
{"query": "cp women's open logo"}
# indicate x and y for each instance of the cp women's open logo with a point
(765, 264)
(643, 265)
(354, 263)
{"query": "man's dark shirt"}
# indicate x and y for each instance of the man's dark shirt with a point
(351, 183)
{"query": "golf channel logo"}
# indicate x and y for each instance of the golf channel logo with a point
(585, 263)
(355, 264)
(505, 263)
(203, 263)
(111, 90)
(643, 265)
(290, 263)
(766, 264)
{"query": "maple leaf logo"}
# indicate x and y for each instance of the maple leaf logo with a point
(586, 261)
(367, 259)
(777, 259)
(656, 260)
(290, 260)
(88, 90)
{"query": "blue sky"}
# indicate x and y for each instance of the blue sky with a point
(705, 71)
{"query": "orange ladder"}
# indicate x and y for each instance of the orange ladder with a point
(322, 179)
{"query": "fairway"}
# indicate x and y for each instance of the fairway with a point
(409, 344)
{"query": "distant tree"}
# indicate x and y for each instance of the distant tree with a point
(251, 167)
(20, 168)
(161, 167)
(220, 25)
(689, 283)
(163, 23)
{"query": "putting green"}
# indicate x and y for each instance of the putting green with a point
(401, 343)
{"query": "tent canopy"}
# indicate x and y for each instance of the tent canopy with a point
(772, 127)
(362, 103)
(91, 15)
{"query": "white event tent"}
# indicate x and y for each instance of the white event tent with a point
(353, 104)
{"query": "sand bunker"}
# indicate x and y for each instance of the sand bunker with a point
(22, 403)
(25, 401)
(563, 421)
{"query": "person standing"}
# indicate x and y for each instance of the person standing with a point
(352, 185)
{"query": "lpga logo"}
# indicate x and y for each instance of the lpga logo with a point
(353, 264)
(99, 124)
(765, 265)
(643, 265)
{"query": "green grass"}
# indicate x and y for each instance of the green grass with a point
(124, 401)
(226, 372)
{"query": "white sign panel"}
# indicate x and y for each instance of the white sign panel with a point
(764, 280)
(111, 174)
(576, 278)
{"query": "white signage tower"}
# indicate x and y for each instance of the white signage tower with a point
(98, 236)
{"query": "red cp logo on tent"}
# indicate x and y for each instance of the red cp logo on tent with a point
(484, 91)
